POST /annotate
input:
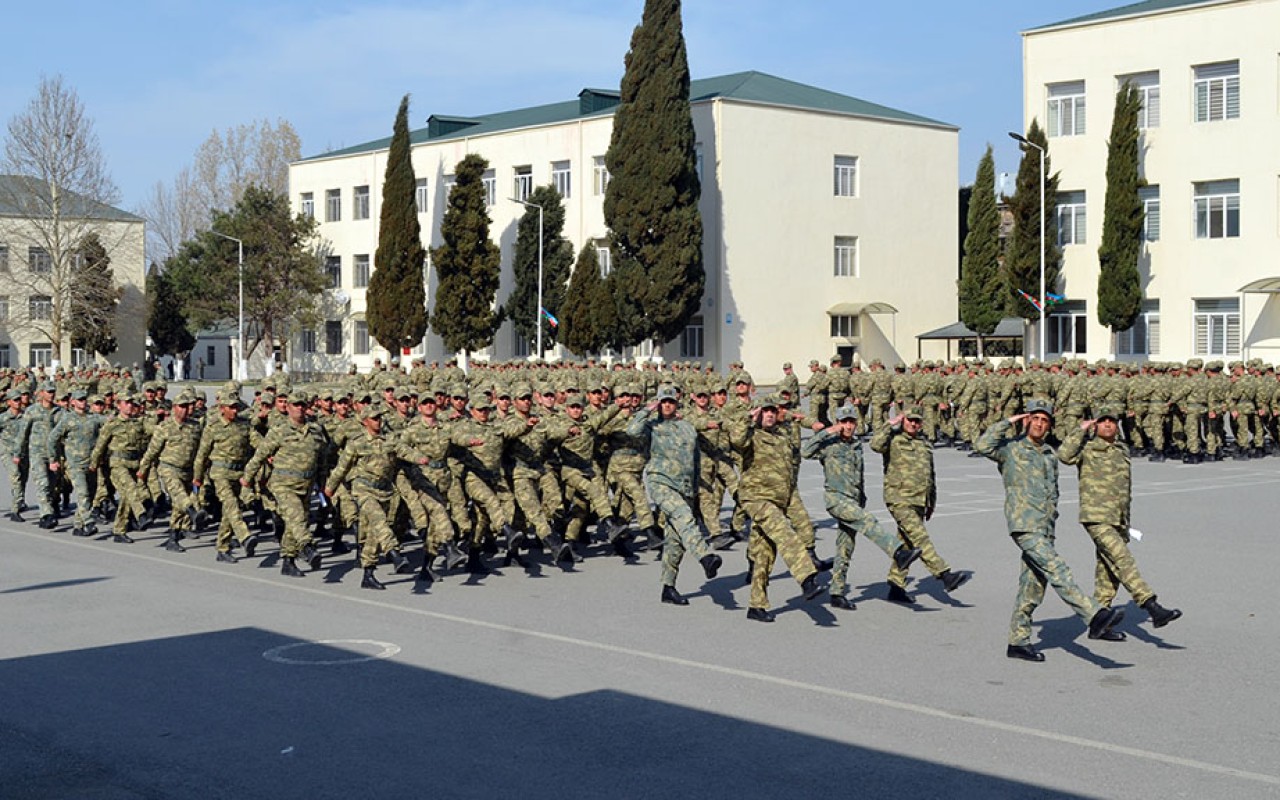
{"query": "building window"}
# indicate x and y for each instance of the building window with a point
(40, 307)
(41, 355)
(333, 205)
(39, 260)
(1217, 206)
(333, 337)
(1150, 197)
(844, 326)
(79, 357)
(420, 195)
(490, 180)
(1066, 109)
(308, 205)
(362, 338)
(4, 308)
(523, 186)
(308, 340)
(360, 202)
(846, 257)
(1217, 326)
(449, 181)
(602, 255)
(333, 268)
(1067, 328)
(691, 339)
(360, 271)
(1217, 91)
(1148, 86)
(210, 356)
(6, 356)
(1143, 339)
(562, 178)
(520, 346)
(846, 176)
(601, 173)
(4, 258)
(1071, 218)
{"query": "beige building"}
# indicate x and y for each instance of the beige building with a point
(1209, 73)
(829, 222)
(35, 265)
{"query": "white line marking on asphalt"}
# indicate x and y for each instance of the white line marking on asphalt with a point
(883, 702)
(277, 654)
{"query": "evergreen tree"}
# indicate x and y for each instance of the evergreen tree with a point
(557, 259)
(93, 305)
(396, 301)
(1119, 285)
(651, 203)
(981, 306)
(588, 320)
(166, 324)
(1022, 262)
(468, 264)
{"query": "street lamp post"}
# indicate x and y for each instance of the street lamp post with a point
(1025, 142)
(538, 315)
(243, 366)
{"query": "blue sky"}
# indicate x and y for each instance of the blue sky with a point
(158, 76)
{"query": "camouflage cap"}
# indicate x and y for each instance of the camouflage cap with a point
(666, 392)
(575, 400)
(1037, 406)
(846, 411)
(1113, 411)
(765, 401)
(373, 412)
(1194, 363)
(814, 363)
(521, 389)
(786, 365)
(301, 397)
(743, 377)
(479, 400)
(79, 394)
(185, 397)
(406, 393)
(914, 412)
(230, 398)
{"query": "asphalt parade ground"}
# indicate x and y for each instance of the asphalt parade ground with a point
(130, 672)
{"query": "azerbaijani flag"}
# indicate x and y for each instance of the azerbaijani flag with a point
(555, 323)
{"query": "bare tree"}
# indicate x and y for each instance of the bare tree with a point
(56, 196)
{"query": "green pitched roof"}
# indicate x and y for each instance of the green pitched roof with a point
(750, 87)
(1131, 10)
(29, 197)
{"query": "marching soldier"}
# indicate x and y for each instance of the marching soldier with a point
(71, 442)
(122, 441)
(173, 447)
(225, 447)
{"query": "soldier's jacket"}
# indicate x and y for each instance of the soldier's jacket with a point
(842, 464)
(712, 442)
(295, 452)
(1030, 474)
(40, 421)
(576, 451)
(626, 450)
(673, 450)
(1243, 395)
(908, 467)
(816, 386)
(420, 441)
(902, 387)
(73, 438)
(1105, 479)
(768, 461)
(789, 383)
(484, 459)
(837, 386)
(122, 439)
(929, 385)
(1219, 393)
(369, 462)
(173, 444)
(14, 432)
(526, 453)
(224, 447)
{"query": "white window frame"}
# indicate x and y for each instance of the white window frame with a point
(420, 195)
(1150, 197)
(522, 184)
(692, 339)
(1065, 109)
(1143, 339)
(6, 356)
(307, 341)
(361, 271)
(1072, 211)
(562, 178)
(360, 338)
(40, 308)
(604, 257)
(1215, 94)
(4, 307)
(333, 205)
(333, 343)
(39, 261)
(307, 205)
(490, 181)
(846, 257)
(1215, 325)
(39, 354)
(1216, 206)
(846, 176)
(360, 203)
(600, 173)
(333, 271)
(1067, 331)
(1148, 86)
(846, 326)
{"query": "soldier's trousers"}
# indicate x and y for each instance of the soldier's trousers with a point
(124, 478)
(818, 407)
(43, 481)
(438, 524)
(1041, 564)
(16, 484)
(1136, 430)
(82, 485)
(971, 423)
(485, 496)
(1243, 427)
(583, 493)
(379, 539)
(1213, 434)
(1191, 424)
(911, 528)
(291, 503)
(227, 487)
(529, 500)
(772, 533)
(1154, 425)
(629, 487)
(931, 420)
(854, 519)
(711, 491)
(682, 533)
(177, 484)
(1116, 565)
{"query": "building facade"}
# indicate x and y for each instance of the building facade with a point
(824, 216)
(1209, 75)
(33, 272)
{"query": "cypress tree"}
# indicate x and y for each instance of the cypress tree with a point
(557, 260)
(980, 302)
(1119, 285)
(396, 314)
(588, 319)
(1022, 262)
(93, 303)
(651, 203)
(468, 264)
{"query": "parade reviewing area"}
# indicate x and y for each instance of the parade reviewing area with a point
(132, 672)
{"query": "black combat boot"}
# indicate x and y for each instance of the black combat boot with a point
(905, 556)
(672, 597)
(954, 580)
(370, 581)
(711, 564)
(226, 558)
(311, 555)
(453, 556)
(289, 568)
(426, 574)
(403, 567)
(820, 564)
(760, 614)
(173, 545)
(1104, 621)
(559, 548)
(897, 594)
(1160, 616)
(475, 562)
(251, 545)
(1024, 652)
(840, 601)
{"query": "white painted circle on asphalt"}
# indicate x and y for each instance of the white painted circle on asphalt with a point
(289, 653)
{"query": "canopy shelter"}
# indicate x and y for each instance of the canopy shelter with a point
(1260, 286)
(1009, 332)
(846, 326)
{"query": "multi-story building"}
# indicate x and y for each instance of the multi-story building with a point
(829, 222)
(1208, 73)
(31, 273)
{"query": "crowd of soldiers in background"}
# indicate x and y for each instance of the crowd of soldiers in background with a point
(507, 460)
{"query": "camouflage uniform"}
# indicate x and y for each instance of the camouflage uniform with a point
(40, 421)
(13, 445)
(910, 493)
(295, 450)
(174, 446)
(371, 461)
(224, 449)
(72, 440)
(122, 441)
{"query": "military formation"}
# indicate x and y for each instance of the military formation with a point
(436, 471)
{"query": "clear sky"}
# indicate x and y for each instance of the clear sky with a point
(157, 76)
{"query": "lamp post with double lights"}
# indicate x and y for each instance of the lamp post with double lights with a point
(1025, 143)
(243, 366)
